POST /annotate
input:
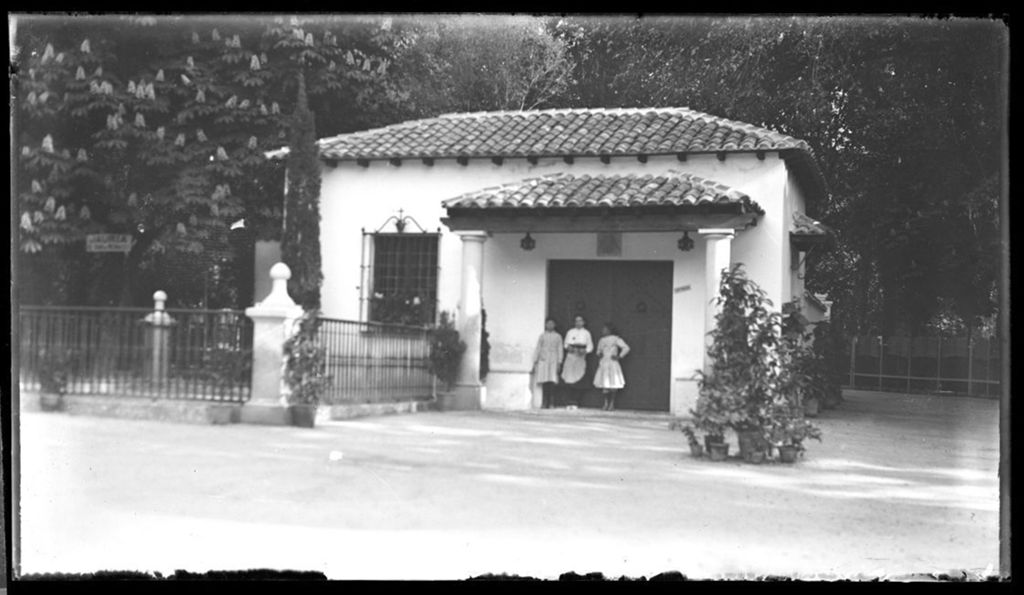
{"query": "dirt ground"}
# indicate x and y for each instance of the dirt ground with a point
(900, 486)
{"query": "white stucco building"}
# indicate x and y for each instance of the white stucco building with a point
(624, 215)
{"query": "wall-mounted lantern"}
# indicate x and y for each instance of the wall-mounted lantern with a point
(527, 243)
(685, 243)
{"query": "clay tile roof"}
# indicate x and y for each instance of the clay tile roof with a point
(571, 132)
(563, 190)
(566, 132)
(806, 233)
(804, 225)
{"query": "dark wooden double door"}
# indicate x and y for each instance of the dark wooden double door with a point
(636, 296)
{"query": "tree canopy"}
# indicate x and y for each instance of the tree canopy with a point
(904, 115)
(156, 126)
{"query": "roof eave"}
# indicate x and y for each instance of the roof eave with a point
(698, 209)
(808, 174)
(558, 155)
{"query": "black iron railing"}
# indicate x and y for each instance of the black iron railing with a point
(193, 354)
(375, 363)
(925, 364)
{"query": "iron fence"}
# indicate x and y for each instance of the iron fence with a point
(925, 364)
(199, 354)
(375, 363)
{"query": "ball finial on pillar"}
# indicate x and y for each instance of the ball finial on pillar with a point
(159, 299)
(279, 274)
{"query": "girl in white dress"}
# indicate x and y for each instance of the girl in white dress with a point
(547, 357)
(610, 349)
(578, 344)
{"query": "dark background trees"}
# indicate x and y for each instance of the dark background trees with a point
(905, 116)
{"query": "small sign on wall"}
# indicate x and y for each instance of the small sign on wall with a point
(108, 242)
(609, 243)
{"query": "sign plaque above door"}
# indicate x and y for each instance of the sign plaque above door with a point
(609, 243)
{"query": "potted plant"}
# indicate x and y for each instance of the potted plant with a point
(733, 391)
(798, 384)
(446, 349)
(54, 372)
(305, 370)
(713, 411)
(789, 435)
(752, 443)
(760, 373)
(718, 451)
(696, 450)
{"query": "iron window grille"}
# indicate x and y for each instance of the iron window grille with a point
(402, 278)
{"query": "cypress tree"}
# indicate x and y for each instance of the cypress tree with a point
(300, 242)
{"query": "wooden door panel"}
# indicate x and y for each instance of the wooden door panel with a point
(636, 297)
(642, 309)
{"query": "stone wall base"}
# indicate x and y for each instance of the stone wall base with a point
(463, 398)
(340, 412)
(265, 415)
(128, 407)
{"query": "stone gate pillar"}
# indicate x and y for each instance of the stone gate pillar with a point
(273, 323)
(158, 340)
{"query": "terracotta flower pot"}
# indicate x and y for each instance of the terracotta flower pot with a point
(303, 416)
(752, 445)
(811, 407)
(709, 440)
(748, 440)
(788, 453)
(718, 451)
(696, 450)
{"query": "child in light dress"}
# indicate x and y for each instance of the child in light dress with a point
(578, 344)
(547, 358)
(610, 349)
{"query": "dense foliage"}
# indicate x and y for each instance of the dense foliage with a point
(446, 349)
(473, 63)
(306, 362)
(905, 116)
(300, 238)
(157, 127)
(760, 371)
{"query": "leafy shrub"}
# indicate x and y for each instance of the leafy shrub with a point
(743, 359)
(401, 308)
(446, 351)
(306, 362)
(227, 367)
(760, 367)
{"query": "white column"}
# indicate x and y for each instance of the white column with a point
(469, 389)
(718, 252)
(273, 322)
